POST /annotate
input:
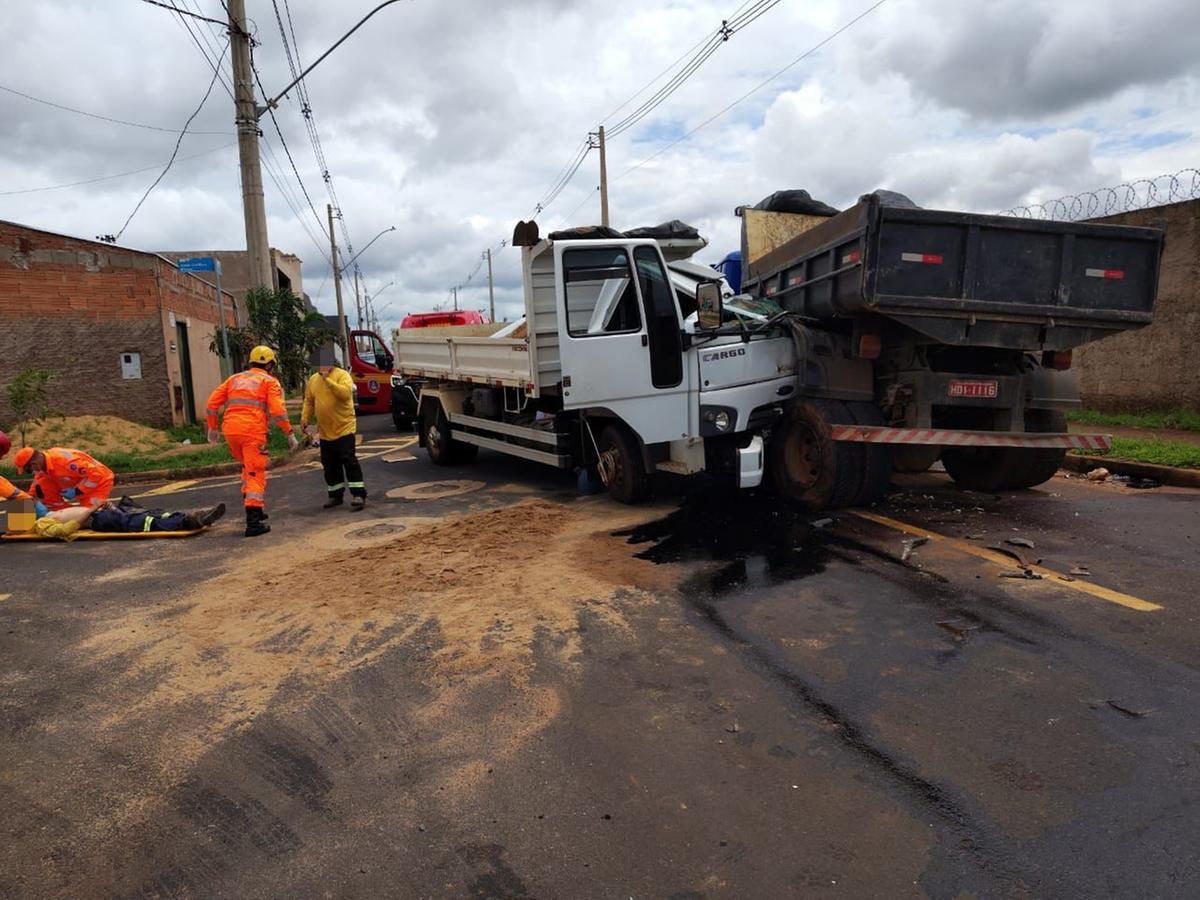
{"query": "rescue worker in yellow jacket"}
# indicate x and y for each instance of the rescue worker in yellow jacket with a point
(253, 401)
(330, 395)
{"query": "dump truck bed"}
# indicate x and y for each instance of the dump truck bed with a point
(967, 279)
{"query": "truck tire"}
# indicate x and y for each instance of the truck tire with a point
(443, 451)
(621, 459)
(913, 459)
(1009, 468)
(879, 462)
(807, 465)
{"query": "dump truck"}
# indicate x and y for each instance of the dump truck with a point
(631, 362)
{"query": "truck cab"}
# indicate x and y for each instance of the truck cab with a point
(371, 368)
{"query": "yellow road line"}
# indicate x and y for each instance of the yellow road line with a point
(171, 487)
(1085, 587)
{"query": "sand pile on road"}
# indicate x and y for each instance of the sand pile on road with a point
(484, 596)
(97, 435)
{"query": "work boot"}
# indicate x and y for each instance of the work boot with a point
(254, 522)
(357, 503)
(208, 516)
(334, 500)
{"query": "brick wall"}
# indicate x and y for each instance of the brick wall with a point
(73, 307)
(1154, 367)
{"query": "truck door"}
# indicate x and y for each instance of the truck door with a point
(619, 337)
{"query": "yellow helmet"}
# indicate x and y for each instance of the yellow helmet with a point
(262, 355)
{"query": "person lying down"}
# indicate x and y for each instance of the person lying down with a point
(123, 517)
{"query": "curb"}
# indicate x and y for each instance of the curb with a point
(1162, 474)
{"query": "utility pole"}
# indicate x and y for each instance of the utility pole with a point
(455, 290)
(491, 288)
(357, 299)
(603, 181)
(337, 289)
(254, 206)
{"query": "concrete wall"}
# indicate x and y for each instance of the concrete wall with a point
(1155, 367)
(74, 307)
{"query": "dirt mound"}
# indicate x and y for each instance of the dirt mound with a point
(491, 596)
(98, 434)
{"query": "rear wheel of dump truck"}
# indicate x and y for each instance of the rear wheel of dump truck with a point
(805, 463)
(879, 458)
(620, 465)
(442, 449)
(1009, 468)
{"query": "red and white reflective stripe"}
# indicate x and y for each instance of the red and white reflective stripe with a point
(1111, 274)
(873, 434)
(933, 259)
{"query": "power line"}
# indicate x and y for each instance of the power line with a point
(55, 187)
(803, 56)
(82, 112)
(175, 152)
(182, 12)
(186, 25)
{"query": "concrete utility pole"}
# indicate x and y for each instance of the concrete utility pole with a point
(455, 290)
(337, 289)
(254, 205)
(603, 181)
(491, 287)
(357, 300)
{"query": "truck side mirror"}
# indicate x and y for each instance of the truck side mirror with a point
(710, 306)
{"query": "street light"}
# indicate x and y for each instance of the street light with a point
(358, 305)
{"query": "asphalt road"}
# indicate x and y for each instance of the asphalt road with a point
(495, 688)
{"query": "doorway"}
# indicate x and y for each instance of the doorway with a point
(185, 373)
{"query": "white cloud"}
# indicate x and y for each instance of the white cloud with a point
(451, 120)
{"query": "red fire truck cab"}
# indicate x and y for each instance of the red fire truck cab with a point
(371, 367)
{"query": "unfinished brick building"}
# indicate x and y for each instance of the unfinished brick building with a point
(124, 331)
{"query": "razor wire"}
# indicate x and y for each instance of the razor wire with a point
(1143, 193)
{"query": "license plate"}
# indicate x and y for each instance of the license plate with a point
(987, 389)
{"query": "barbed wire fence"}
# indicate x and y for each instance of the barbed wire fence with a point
(1143, 193)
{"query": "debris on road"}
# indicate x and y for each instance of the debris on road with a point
(1132, 481)
(911, 544)
(1027, 574)
(1124, 710)
(733, 729)
(1080, 571)
(1019, 542)
(822, 523)
(961, 631)
(1098, 474)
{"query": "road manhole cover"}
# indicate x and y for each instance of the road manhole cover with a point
(433, 490)
(383, 529)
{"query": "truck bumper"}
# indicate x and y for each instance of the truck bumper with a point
(750, 463)
(944, 437)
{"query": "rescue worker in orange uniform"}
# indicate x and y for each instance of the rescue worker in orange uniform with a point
(58, 470)
(253, 401)
(8, 490)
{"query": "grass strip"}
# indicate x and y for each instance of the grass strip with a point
(1151, 450)
(1177, 419)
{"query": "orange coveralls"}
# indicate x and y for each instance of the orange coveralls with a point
(93, 481)
(9, 491)
(253, 400)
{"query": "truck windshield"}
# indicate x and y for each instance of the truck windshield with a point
(600, 294)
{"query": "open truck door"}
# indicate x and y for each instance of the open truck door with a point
(620, 339)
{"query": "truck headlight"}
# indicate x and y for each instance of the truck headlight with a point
(719, 419)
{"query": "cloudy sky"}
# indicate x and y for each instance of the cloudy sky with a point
(451, 119)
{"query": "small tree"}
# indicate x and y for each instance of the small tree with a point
(30, 400)
(279, 320)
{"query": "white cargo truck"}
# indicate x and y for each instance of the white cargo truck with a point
(610, 372)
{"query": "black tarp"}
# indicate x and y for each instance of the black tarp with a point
(797, 201)
(585, 233)
(673, 230)
(890, 198)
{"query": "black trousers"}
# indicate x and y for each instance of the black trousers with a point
(342, 469)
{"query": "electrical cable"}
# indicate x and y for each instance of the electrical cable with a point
(105, 118)
(175, 152)
(155, 167)
(803, 56)
(176, 9)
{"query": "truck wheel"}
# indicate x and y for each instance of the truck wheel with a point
(1009, 468)
(806, 464)
(879, 463)
(442, 450)
(913, 459)
(621, 467)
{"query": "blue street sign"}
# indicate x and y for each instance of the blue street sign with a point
(198, 264)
